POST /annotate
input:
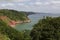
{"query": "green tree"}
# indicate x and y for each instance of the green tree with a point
(26, 35)
(13, 14)
(4, 37)
(11, 33)
(46, 29)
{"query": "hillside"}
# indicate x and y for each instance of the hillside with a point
(13, 14)
(12, 17)
(8, 19)
(4, 37)
(46, 29)
(9, 32)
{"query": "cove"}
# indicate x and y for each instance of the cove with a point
(34, 19)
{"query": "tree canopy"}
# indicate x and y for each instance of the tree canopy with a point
(46, 29)
(13, 14)
(10, 32)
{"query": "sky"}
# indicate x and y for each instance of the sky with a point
(47, 6)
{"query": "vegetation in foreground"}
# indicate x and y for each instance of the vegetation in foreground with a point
(10, 33)
(46, 29)
(6, 31)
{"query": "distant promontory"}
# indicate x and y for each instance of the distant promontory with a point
(13, 17)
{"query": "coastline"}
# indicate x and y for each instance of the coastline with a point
(14, 23)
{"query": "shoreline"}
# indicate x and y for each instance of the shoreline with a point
(19, 22)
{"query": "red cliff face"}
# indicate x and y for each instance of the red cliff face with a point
(12, 23)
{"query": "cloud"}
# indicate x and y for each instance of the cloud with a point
(14, 0)
(16, 6)
(11, 4)
(7, 4)
(55, 2)
(19, 0)
(32, 5)
(38, 3)
(20, 4)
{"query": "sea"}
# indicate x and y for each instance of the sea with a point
(34, 20)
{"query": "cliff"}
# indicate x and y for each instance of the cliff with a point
(9, 19)
(13, 17)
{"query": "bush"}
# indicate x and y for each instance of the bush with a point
(46, 29)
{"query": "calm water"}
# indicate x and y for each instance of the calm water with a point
(34, 19)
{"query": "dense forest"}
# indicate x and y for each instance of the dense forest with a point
(46, 29)
(13, 14)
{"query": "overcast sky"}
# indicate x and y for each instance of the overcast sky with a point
(48, 6)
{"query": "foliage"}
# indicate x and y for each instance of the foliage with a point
(3, 37)
(46, 29)
(8, 32)
(26, 34)
(13, 14)
(12, 33)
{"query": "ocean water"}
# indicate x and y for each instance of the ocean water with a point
(34, 19)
